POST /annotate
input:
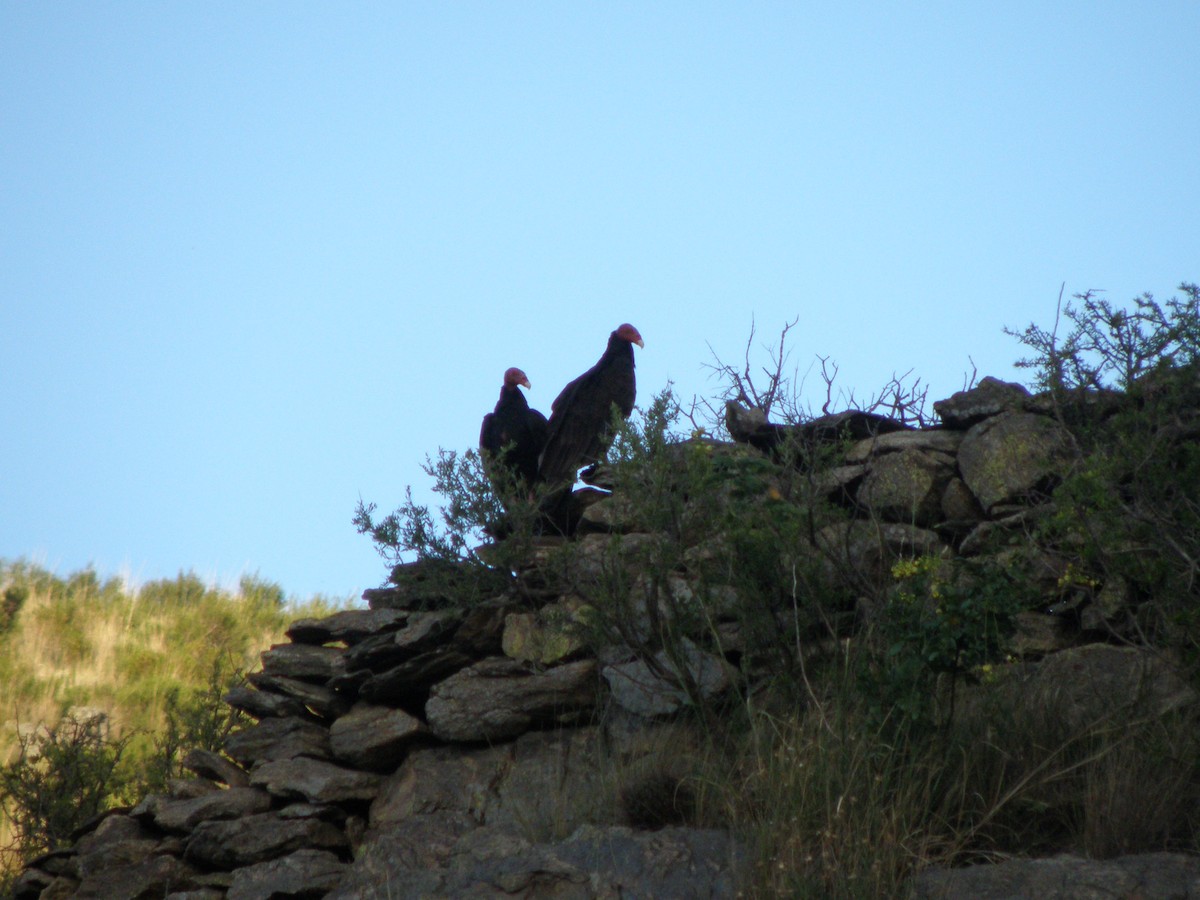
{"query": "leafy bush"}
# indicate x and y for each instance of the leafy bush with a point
(1108, 346)
(945, 620)
(63, 776)
(1128, 510)
(196, 719)
(11, 601)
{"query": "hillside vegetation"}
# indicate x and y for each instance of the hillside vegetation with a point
(98, 667)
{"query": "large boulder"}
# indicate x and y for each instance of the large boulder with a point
(907, 486)
(374, 737)
(499, 698)
(659, 686)
(988, 398)
(1012, 457)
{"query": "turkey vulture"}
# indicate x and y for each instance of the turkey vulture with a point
(512, 433)
(582, 412)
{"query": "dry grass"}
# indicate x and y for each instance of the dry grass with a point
(835, 804)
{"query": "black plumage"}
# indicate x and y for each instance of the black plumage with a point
(580, 418)
(513, 434)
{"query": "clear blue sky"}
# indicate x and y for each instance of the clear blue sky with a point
(258, 259)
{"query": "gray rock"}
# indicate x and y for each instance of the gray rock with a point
(319, 699)
(866, 550)
(1009, 457)
(433, 779)
(155, 876)
(840, 482)
(33, 882)
(906, 487)
(274, 739)
(190, 788)
(410, 681)
(262, 704)
(184, 815)
(1038, 634)
(930, 439)
(117, 841)
(315, 780)
(646, 689)
(482, 628)
(1100, 682)
(593, 862)
(546, 637)
(543, 784)
(303, 875)
(986, 534)
(424, 584)
(215, 767)
(1149, 876)
(595, 555)
(988, 398)
(374, 737)
(421, 632)
(403, 859)
(302, 661)
(234, 843)
(499, 697)
(611, 513)
(349, 626)
(959, 504)
(750, 426)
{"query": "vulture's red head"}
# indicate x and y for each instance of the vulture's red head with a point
(627, 332)
(514, 376)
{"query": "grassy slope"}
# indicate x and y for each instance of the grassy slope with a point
(79, 641)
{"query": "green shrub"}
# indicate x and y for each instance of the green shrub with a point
(196, 718)
(62, 777)
(944, 621)
(1128, 510)
(13, 598)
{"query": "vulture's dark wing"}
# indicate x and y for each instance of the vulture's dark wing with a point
(487, 434)
(514, 433)
(582, 412)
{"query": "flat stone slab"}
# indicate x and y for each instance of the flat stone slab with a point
(374, 737)
(317, 781)
(273, 739)
(263, 704)
(234, 843)
(303, 661)
(183, 816)
(215, 767)
(938, 440)
(499, 698)
(305, 873)
(320, 699)
(348, 626)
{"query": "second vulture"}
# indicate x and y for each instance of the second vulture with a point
(513, 434)
(579, 429)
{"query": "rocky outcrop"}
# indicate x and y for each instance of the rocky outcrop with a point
(1149, 876)
(428, 746)
(400, 753)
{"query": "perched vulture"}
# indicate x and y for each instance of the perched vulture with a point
(580, 417)
(512, 433)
